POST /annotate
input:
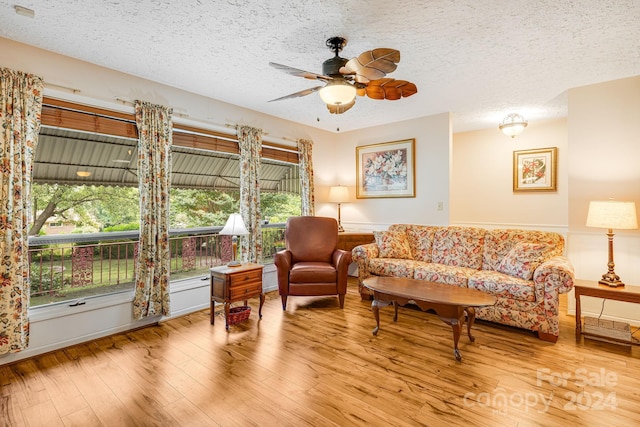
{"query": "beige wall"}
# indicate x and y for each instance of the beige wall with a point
(336, 164)
(604, 141)
(102, 87)
(482, 179)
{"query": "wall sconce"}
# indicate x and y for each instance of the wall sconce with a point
(612, 214)
(339, 194)
(234, 227)
(83, 174)
(513, 125)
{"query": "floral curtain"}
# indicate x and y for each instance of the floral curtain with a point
(305, 149)
(20, 109)
(250, 142)
(154, 175)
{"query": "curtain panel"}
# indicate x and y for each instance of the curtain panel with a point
(305, 157)
(20, 109)
(250, 143)
(154, 174)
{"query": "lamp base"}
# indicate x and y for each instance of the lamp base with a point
(611, 279)
(234, 263)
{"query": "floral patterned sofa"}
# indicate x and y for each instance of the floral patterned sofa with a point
(524, 269)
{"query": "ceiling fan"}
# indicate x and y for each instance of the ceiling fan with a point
(346, 78)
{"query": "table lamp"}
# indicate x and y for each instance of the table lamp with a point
(234, 227)
(612, 214)
(339, 194)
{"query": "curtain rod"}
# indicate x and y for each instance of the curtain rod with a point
(70, 89)
(227, 125)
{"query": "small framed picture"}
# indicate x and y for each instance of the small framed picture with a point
(386, 170)
(535, 170)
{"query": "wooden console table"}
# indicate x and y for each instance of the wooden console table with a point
(230, 284)
(627, 293)
(347, 240)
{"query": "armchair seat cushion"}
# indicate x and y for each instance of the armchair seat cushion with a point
(312, 272)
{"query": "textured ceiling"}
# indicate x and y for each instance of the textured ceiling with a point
(478, 60)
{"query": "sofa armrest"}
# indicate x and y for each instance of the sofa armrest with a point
(553, 277)
(282, 260)
(361, 256)
(556, 273)
(341, 260)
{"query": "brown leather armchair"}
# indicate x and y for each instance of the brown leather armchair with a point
(311, 264)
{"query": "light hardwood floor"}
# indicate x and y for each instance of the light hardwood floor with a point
(318, 365)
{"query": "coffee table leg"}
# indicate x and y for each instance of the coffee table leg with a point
(395, 313)
(471, 317)
(456, 326)
(375, 308)
(457, 329)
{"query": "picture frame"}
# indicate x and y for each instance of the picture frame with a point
(535, 170)
(386, 170)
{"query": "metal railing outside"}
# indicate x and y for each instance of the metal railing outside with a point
(74, 266)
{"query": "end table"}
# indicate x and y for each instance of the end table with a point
(627, 293)
(230, 284)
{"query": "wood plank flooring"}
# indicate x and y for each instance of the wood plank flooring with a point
(317, 365)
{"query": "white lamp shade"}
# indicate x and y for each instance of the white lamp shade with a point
(338, 194)
(612, 214)
(234, 226)
(338, 92)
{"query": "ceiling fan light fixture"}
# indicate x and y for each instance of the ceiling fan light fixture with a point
(338, 92)
(513, 125)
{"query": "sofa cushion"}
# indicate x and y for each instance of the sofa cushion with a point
(498, 243)
(503, 286)
(421, 241)
(440, 273)
(393, 244)
(523, 259)
(458, 246)
(392, 267)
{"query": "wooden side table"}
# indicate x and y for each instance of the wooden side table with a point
(627, 293)
(230, 284)
(347, 240)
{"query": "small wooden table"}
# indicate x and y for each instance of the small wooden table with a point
(450, 302)
(627, 293)
(230, 284)
(347, 240)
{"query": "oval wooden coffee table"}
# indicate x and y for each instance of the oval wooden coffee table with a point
(450, 302)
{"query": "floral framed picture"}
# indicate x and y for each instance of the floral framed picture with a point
(386, 170)
(535, 170)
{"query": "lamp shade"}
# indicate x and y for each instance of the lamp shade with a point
(338, 194)
(234, 226)
(338, 92)
(612, 214)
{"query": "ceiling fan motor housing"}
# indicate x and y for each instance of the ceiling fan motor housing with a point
(331, 67)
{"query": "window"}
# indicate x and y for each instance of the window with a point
(94, 254)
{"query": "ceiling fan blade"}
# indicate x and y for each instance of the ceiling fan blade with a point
(391, 89)
(299, 73)
(339, 109)
(304, 92)
(372, 64)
